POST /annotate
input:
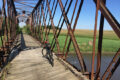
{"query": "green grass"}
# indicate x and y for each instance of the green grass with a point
(0, 43)
(110, 44)
(26, 29)
(89, 34)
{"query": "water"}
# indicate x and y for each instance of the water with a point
(106, 59)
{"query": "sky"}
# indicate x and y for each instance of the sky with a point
(87, 16)
(22, 24)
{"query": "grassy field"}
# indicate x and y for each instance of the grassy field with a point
(89, 34)
(1, 41)
(84, 38)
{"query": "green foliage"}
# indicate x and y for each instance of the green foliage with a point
(50, 27)
(26, 29)
(0, 42)
(108, 45)
(18, 30)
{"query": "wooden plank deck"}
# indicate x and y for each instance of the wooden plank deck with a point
(31, 65)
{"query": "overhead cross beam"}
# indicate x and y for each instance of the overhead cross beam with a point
(24, 4)
(36, 6)
(22, 9)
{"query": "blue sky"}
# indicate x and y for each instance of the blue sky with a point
(87, 15)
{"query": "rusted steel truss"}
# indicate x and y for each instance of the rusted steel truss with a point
(47, 10)
(8, 25)
(43, 24)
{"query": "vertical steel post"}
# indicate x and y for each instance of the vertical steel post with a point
(94, 40)
(97, 77)
(44, 23)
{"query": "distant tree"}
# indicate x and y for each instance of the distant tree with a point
(50, 26)
(18, 29)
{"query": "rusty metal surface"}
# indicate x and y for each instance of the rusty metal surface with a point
(104, 13)
(74, 26)
(111, 70)
(94, 40)
(99, 52)
(8, 25)
(110, 18)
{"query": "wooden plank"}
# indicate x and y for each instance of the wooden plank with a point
(31, 65)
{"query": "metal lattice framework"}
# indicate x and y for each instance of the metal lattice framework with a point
(41, 18)
(8, 25)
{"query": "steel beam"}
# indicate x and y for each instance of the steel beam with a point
(39, 2)
(111, 65)
(94, 40)
(83, 67)
(110, 18)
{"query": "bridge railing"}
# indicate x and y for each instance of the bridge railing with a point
(43, 18)
(47, 20)
(8, 25)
